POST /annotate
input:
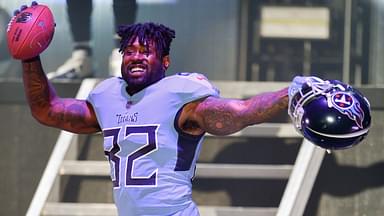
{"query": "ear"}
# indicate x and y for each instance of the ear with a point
(166, 62)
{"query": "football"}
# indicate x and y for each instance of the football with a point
(30, 32)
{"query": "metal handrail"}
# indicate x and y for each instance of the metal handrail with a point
(54, 163)
(301, 181)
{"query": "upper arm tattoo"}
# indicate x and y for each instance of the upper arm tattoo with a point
(73, 115)
(217, 116)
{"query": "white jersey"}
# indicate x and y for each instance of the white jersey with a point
(152, 161)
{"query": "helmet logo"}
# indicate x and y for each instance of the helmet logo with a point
(348, 105)
(342, 100)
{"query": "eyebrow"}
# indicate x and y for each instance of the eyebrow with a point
(144, 45)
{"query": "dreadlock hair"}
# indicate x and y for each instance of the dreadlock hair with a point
(146, 32)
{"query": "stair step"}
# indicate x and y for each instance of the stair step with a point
(243, 171)
(238, 211)
(109, 209)
(204, 170)
(79, 209)
(84, 168)
(278, 130)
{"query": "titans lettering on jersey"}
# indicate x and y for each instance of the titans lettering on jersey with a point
(127, 117)
(152, 161)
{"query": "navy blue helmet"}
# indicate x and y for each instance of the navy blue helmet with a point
(330, 114)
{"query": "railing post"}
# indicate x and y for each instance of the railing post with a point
(301, 181)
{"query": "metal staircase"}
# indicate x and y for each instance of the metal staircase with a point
(301, 175)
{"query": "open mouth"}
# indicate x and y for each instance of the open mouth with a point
(137, 68)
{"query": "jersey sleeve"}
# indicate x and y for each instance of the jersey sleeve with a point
(103, 95)
(104, 87)
(193, 86)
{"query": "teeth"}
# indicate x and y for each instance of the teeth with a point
(136, 69)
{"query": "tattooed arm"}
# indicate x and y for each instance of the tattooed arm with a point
(65, 113)
(220, 116)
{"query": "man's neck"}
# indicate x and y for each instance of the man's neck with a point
(133, 89)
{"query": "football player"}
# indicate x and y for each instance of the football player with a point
(153, 125)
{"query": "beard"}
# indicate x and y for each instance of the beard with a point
(137, 83)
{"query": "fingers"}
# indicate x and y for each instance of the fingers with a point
(23, 7)
(15, 12)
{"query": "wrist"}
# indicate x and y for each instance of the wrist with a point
(33, 59)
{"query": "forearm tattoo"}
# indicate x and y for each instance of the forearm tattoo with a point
(265, 106)
(36, 88)
(67, 114)
(226, 116)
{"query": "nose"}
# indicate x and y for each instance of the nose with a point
(138, 54)
(134, 56)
